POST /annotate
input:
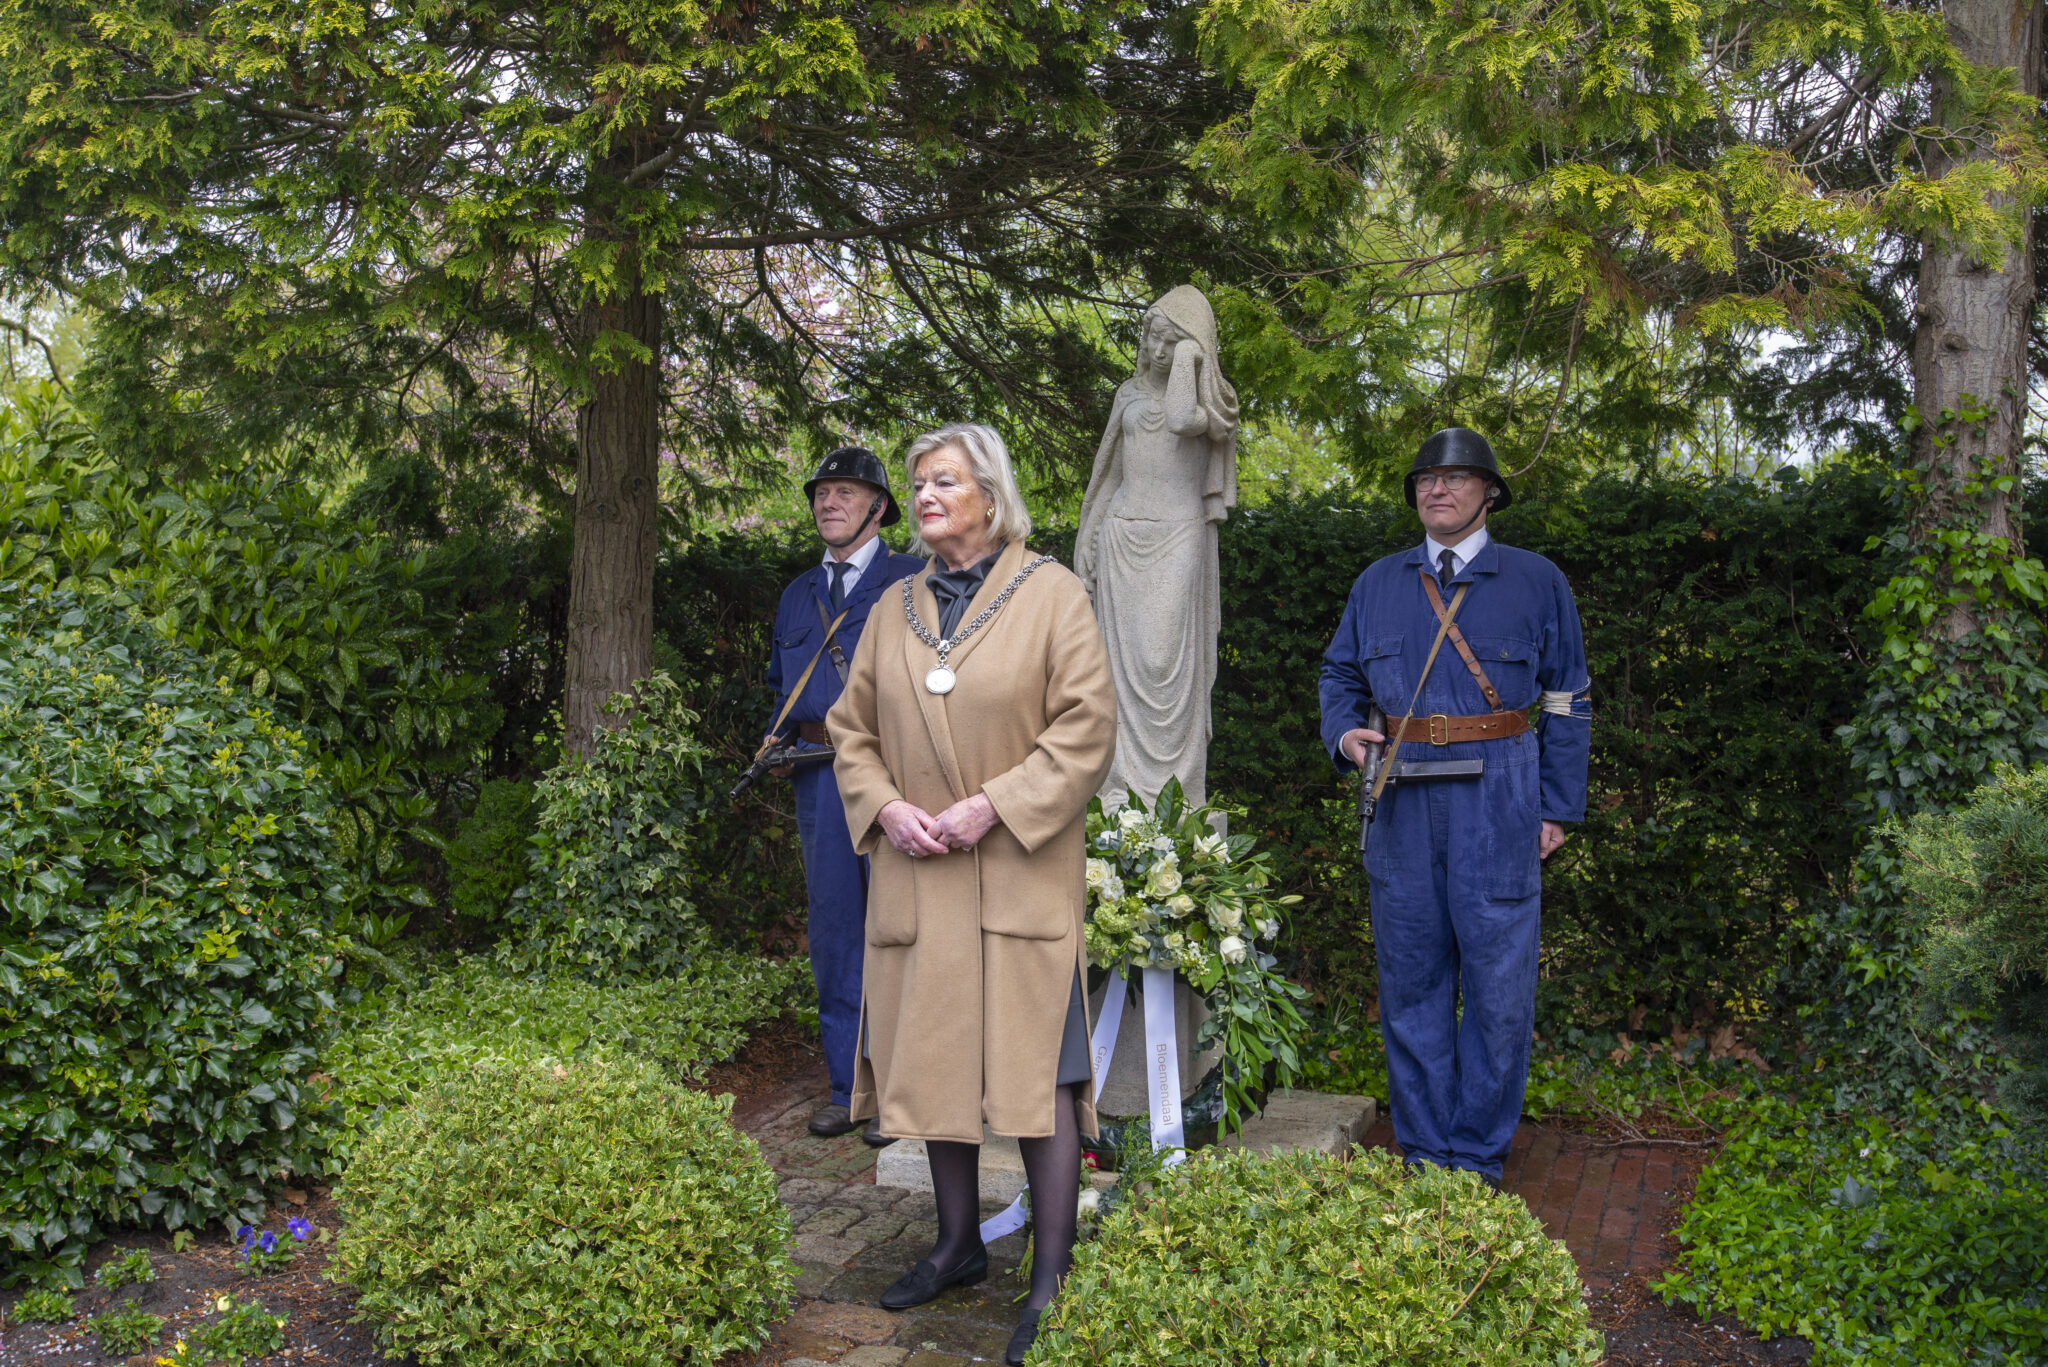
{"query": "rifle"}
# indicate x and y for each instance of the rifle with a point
(773, 756)
(1412, 770)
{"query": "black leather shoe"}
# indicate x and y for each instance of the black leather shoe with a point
(924, 1282)
(832, 1121)
(1022, 1337)
(873, 1137)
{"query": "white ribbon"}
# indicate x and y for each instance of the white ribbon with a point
(1162, 1066)
(1162, 1048)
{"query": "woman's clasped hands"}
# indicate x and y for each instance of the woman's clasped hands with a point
(917, 833)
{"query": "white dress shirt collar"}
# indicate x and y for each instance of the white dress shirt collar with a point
(1462, 554)
(860, 560)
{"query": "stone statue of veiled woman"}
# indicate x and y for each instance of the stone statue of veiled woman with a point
(1165, 476)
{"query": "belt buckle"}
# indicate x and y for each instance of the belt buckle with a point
(1439, 736)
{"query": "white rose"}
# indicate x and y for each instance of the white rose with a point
(1098, 872)
(1226, 916)
(1128, 817)
(1231, 948)
(1163, 844)
(1090, 1199)
(1164, 880)
(1180, 904)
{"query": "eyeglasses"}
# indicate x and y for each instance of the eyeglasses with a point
(1456, 482)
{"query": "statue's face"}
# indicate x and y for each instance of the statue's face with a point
(1155, 351)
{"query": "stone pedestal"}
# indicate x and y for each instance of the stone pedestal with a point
(1319, 1122)
(1126, 1087)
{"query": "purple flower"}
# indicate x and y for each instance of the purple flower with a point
(301, 1228)
(268, 1243)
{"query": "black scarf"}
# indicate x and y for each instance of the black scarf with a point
(955, 589)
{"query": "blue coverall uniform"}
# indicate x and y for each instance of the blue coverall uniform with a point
(1452, 864)
(836, 877)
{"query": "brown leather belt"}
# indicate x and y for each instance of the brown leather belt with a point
(1438, 729)
(814, 733)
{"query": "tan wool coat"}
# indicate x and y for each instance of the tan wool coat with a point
(971, 954)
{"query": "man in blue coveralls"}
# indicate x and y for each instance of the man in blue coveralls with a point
(817, 625)
(1454, 864)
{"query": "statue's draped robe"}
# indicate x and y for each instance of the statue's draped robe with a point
(1147, 549)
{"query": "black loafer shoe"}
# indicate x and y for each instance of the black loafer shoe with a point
(873, 1137)
(924, 1282)
(832, 1121)
(1022, 1337)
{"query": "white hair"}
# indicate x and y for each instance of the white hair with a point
(988, 460)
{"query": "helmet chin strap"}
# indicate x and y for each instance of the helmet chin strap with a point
(874, 510)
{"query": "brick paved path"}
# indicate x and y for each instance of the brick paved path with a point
(854, 1238)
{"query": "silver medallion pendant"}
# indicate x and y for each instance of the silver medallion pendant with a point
(940, 680)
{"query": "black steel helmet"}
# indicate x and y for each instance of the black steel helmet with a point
(856, 462)
(1459, 446)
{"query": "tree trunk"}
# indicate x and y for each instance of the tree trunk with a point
(1970, 334)
(618, 499)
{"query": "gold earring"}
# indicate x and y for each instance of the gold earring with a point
(988, 515)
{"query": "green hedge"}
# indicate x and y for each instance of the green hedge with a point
(455, 1017)
(585, 1214)
(167, 957)
(1724, 630)
(1317, 1261)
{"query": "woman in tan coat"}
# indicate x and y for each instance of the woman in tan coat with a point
(978, 719)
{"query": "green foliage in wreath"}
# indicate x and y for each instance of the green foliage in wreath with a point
(1166, 890)
(585, 1214)
(167, 951)
(611, 871)
(1319, 1261)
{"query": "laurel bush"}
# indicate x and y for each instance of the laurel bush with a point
(1319, 1261)
(167, 952)
(588, 1212)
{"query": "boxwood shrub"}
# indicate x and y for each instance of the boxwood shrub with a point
(589, 1212)
(167, 956)
(1319, 1261)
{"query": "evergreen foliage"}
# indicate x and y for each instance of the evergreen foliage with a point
(588, 1214)
(167, 957)
(487, 860)
(610, 880)
(1976, 880)
(1566, 224)
(314, 614)
(1312, 1259)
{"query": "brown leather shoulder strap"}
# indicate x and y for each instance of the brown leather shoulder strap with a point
(1436, 601)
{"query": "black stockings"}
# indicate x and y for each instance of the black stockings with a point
(1053, 1167)
(956, 1186)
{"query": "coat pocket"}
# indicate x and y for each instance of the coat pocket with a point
(892, 899)
(1511, 664)
(1380, 658)
(1023, 896)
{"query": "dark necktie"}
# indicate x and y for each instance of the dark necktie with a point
(839, 569)
(1444, 569)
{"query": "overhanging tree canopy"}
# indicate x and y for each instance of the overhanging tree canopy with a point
(532, 227)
